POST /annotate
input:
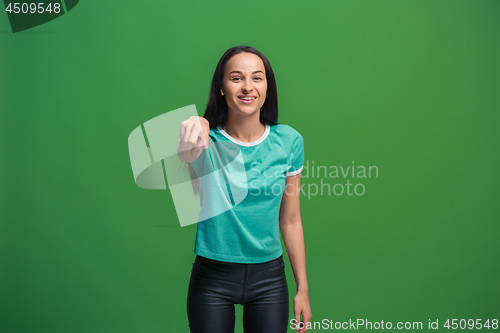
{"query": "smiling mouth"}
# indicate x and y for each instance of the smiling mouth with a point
(246, 98)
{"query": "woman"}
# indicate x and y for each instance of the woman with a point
(239, 255)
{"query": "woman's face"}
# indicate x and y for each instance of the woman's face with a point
(244, 83)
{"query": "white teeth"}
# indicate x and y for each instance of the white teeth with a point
(247, 98)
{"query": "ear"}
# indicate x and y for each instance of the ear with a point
(221, 92)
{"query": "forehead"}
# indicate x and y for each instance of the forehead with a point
(245, 62)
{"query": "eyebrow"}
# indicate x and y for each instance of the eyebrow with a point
(242, 73)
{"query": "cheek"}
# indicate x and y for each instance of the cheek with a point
(264, 95)
(264, 90)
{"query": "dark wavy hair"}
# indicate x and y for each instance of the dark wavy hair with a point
(216, 112)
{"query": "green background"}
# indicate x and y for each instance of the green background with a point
(411, 87)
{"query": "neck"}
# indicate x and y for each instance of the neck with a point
(245, 128)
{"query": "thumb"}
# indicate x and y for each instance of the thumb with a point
(205, 126)
(205, 140)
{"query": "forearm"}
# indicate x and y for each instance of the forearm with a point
(293, 237)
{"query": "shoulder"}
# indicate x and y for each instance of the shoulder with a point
(286, 131)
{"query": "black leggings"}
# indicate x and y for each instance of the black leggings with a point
(215, 287)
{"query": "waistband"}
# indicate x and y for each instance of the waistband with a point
(235, 266)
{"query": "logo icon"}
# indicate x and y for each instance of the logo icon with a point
(219, 172)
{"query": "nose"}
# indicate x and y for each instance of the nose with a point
(247, 85)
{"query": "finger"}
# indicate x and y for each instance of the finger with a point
(182, 129)
(307, 320)
(205, 139)
(187, 132)
(187, 128)
(204, 132)
(297, 319)
(201, 136)
(194, 136)
(303, 323)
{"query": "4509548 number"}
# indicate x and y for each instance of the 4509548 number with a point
(32, 8)
(471, 324)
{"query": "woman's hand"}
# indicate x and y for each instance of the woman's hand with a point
(193, 136)
(301, 307)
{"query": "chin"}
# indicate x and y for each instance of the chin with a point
(247, 110)
(247, 113)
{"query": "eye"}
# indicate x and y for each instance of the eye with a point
(258, 78)
(235, 78)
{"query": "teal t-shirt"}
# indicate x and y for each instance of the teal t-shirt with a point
(241, 185)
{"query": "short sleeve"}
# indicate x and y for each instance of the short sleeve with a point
(296, 156)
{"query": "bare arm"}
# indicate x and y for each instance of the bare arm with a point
(293, 237)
